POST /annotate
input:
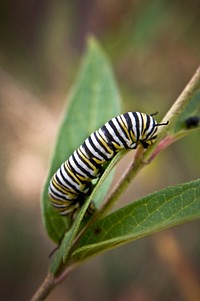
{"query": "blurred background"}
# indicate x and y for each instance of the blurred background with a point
(154, 47)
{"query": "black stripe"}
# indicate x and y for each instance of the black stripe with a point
(117, 133)
(81, 168)
(107, 141)
(147, 123)
(108, 136)
(60, 187)
(129, 122)
(122, 129)
(75, 180)
(96, 149)
(106, 153)
(59, 197)
(142, 125)
(88, 154)
(152, 129)
(85, 172)
(76, 174)
(135, 115)
(66, 181)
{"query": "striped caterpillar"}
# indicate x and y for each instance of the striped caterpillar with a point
(72, 181)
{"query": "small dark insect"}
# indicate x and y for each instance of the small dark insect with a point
(97, 231)
(72, 181)
(192, 122)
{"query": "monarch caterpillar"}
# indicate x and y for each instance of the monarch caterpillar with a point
(72, 181)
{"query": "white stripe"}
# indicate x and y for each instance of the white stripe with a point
(91, 149)
(63, 197)
(68, 205)
(121, 131)
(150, 126)
(76, 168)
(55, 190)
(107, 154)
(112, 133)
(98, 145)
(130, 142)
(124, 120)
(118, 128)
(58, 199)
(81, 161)
(134, 128)
(69, 179)
(61, 178)
(140, 117)
(103, 135)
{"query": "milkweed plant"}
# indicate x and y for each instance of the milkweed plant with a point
(93, 100)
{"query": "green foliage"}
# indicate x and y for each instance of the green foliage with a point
(192, 109)
(160, 210)
(62, 254)
(93, 100)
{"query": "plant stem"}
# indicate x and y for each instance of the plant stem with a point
(124, 182)
(141, 157)
(151, 153)
(50, 282)
(45, 288)
(181, 102)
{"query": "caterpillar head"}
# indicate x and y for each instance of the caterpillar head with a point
(149, 133)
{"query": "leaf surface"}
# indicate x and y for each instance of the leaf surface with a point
(160, 210)
(93, 99)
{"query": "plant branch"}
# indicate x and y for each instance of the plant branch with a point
(50, 282)
(141, 159)
(45, 288)
(151, 153)
(181, 102)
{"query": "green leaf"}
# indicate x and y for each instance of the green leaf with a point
(161, 210)
(192, 109)
(94, 99)
(62, 253)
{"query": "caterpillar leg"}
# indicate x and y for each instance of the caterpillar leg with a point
(92, 208)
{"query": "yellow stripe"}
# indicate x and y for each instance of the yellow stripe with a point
(117, 146)
(132, 136)
(61, 202)
(105, 144)
(80, 177)
(72, 174)
(60, 187)
(124, 126)
(144, 123)
(67, 210)
(74, 177)
(98, 161)
(86, 160)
